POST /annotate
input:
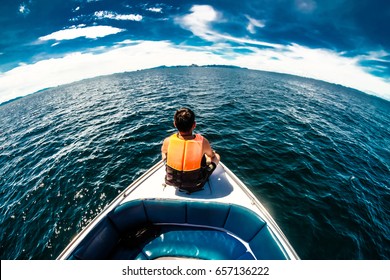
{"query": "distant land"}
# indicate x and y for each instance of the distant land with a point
(203, 66)
(19, 97)
(12, 100)
(158, 67)
(196, 66)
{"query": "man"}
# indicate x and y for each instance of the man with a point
(190, 160)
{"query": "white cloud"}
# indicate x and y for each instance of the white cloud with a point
(326, 65)
(321, 64)
(155, 10)
(199, 20)
(91, 32)
(128, 55)
(116, 16)
(253, 23)
(134, 55)
(23, 9)
(306, 6)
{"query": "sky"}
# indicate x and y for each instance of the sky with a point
(46, 43)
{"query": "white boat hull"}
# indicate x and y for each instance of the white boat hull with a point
(224, 192)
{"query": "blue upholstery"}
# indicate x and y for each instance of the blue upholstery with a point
(208, 214)
(125, 253)
(243, 223)
(165, 211)
(246, 256)
(201, 233)
(265, 246)
(127, 216)
(191, 242)
(99, 242)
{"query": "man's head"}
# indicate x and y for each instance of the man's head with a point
(184, 120)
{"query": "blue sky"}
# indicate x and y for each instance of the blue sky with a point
(45, 43)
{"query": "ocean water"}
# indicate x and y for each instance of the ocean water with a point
(316, 155)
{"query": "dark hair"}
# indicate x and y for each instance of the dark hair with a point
(184, 119)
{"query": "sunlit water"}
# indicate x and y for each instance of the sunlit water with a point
(315, 154)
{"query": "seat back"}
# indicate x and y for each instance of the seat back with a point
(199, 217)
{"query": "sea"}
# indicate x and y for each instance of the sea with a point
(317, 155)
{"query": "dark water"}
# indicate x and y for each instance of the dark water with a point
(317, 155)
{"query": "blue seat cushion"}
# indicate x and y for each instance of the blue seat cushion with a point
(265, 247)
(99, 243)
(128, 216)
(243, 223)
(207, 214)
(194, 242)
(152, 228)
(165, 211)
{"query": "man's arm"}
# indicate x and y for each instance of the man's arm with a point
(164, 149)
(209, 152)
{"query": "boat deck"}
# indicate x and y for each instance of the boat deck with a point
(221, 187)
(224, 220)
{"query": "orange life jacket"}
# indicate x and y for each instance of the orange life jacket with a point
(184, 163)
(185, 155)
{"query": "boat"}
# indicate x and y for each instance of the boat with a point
(151, 220)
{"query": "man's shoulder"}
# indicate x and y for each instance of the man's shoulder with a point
(205, 140)
(170, 136)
